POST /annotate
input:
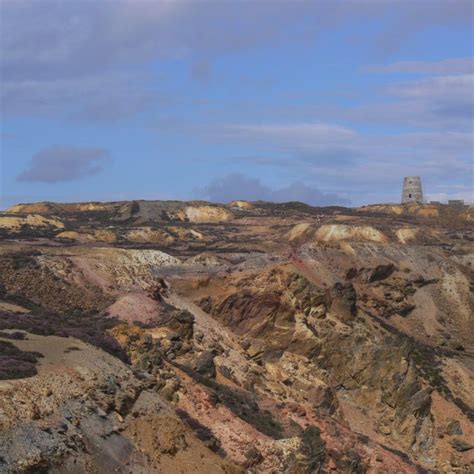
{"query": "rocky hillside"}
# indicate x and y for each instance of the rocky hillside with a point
(153, 336)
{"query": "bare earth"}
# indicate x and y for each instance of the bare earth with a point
(152, 336)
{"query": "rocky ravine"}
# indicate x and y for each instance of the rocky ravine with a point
(254, 337)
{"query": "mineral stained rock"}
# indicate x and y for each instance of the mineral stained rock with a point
(153, 336)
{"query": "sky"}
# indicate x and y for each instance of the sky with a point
(327, 102)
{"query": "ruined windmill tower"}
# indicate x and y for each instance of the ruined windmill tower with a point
(412, 191)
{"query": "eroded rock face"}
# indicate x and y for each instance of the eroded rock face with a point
(14, 223)
(337, 232)
(268, 338)
(204, 213)
(343, 300)
(92, 414)
(380, 272)
(311, 455)
(205, 364)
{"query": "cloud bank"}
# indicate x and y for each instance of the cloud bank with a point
(238, 186)
(56, 53)
(61, 163)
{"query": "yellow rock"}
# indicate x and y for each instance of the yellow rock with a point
(101, 235)
(148, 234)
(38, 207)
(422, 210)
(205, 214)
(299, 231)
(33, 220)
(468, 214)
(395, 209)
(14, 308)
(105, 235)
(52, 207)
(241, 204)
(73, 235)
(406, 234)
(186, 234)
(87, 206)
(346, 248)
(336, 232)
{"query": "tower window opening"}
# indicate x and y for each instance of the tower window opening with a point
(409, 195)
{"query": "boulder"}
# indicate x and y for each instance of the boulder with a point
(381, 272)
(204, 364)
(343, 300)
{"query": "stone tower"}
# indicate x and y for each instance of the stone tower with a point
(412, 191)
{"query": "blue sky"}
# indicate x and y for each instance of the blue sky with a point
(327, 102)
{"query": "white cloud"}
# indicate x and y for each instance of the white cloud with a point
(305, 138)
(436, 102)
(98, 98)
(305, 134)
(467, 196)
(439, 88)
(78, 41)
(443, 67)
